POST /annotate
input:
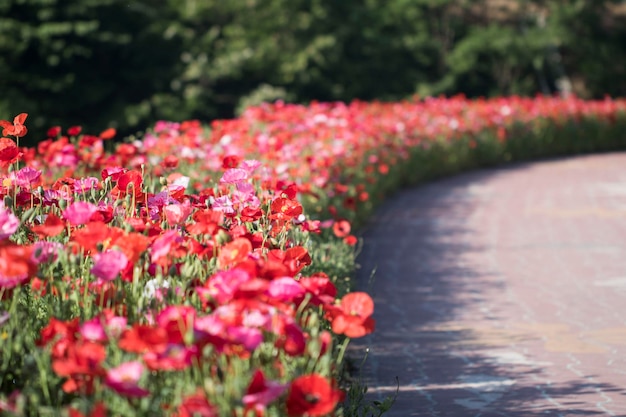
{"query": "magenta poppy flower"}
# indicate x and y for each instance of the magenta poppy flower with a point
(175, 357)
(247, 337)
(44, 251)
(8, 222)
(93, 330)
(124, 379)
(261, 392)
(108, 264)
(79, 212)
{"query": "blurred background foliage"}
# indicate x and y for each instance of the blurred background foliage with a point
(125, 64)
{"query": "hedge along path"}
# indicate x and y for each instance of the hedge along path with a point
(501, 292)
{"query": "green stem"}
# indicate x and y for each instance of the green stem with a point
(43, 374)
(342, 350)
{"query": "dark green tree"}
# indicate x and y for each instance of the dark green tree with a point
(95, 62)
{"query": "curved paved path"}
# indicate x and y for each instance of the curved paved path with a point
(502, 292)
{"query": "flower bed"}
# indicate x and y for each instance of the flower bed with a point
(204, 270)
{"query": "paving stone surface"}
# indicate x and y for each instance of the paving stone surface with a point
(501, 292)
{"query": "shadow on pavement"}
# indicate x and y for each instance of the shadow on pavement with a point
(420, 249)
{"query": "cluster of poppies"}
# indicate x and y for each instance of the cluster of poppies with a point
(122, 286)
(194, 272)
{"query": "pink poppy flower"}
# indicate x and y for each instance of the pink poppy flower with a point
(209, 328)
(245, 194)
(176, 214)
(222, 285)
(247, 337)
(79, 212)
(65, 157)
(285, 289)
(108, 264)
(163, 244)
(250, 165)
(256, 318)
(93, 330)
(234, 175)
(115, 325)
(9, 223)
(124, 379)
(86, 184)
(26, 177)
(223, 204)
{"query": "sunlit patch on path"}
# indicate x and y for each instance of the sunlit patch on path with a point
(502, 292)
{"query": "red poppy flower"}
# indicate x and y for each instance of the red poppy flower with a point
(143, 338)
(320, 287)
(350, 240)
(93, 233)
(341, 228)
(63, 329)
(205, 222)
(231, 161)
(54, 131)
(8, 151)
(296, 258)
(174, 358)
(132, 244)
(108, 134)
(113, 172)
(74, 130)
(234, 252)
(289, 189)
(353, 317)
(98, 410)
(249, 214)
(311, 396)
(261, 393)
(16, 128)
(80, 362)
(16, 265)
(285, 209)
(177, 322)
(292, 339)
(129, 183)
(196, 405)
(170, 161)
